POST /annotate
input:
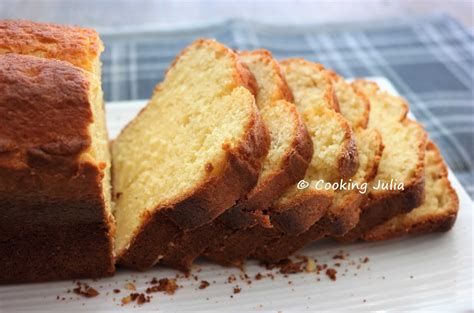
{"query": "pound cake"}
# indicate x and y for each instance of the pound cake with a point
(189, 155)
(54, 196)
(335, 157)
(343, 213)
(438, 211)
(286, 162)
(402, 161)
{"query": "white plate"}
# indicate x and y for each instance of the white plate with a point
(426, 272)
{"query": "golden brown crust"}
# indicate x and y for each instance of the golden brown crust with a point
(249, 242)
(298, 216)
(49, 196)
(364, 119)
(78, 46)
(348, 160)
(212, 197)
(330, 94)
(361, 86)
(344, 216)
(434, 222)
(283, 92)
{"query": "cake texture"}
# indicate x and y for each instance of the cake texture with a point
(438, 211)
(343, 213)
(402, 161)
(189, 155)
(287, 160)
(54, 199)
(335, 157)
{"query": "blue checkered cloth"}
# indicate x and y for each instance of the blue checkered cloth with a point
(428, 59)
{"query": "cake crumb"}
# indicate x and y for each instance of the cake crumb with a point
(204, 284)
(331, 273)
(130, 286)
(310, 266)
(166, 285)
(85, 290)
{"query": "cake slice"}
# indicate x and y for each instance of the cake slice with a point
(335, 157)
(402, 161)
(437, 212)
(189, 155)
(289, 155)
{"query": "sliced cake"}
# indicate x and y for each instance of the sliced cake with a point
(343, 213)
(285, 164)
(402, 162)
(437, 212)
(335, 157)
(189, 155)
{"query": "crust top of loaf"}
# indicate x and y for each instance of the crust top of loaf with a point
(76, 45)
(31, 88)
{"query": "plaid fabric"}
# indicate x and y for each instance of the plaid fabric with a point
(429, 60)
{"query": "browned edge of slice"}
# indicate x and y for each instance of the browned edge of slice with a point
(213, 196)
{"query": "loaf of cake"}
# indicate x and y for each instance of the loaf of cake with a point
(55, 197)
(54, 194)
(189, 155)
(286, 162)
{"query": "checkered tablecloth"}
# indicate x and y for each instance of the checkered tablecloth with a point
(428, 59)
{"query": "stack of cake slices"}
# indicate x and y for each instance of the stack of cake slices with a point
(235, 156)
